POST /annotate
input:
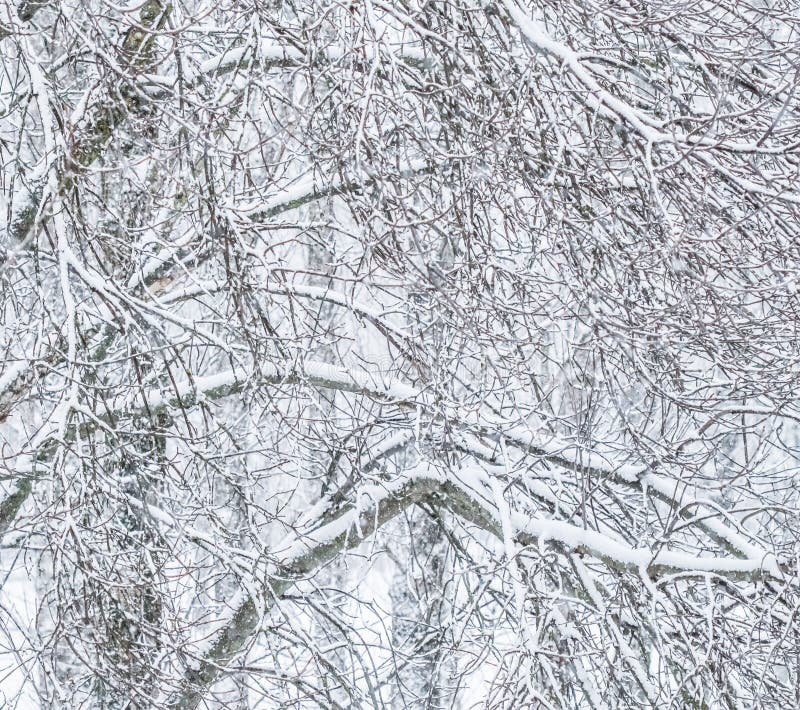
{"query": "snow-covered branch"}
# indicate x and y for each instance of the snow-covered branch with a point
(304, 556)
(508, 290)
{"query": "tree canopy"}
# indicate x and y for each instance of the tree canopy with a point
(410, 354)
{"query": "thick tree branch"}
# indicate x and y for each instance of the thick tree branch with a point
(88, 145)
(10, 506)
(301, 559)
(308, 553)
(564, 454)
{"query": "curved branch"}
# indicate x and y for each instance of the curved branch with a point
(308, 553)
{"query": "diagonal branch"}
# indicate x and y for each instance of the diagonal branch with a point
(300, 559)
(308, 553)
(323, 375)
